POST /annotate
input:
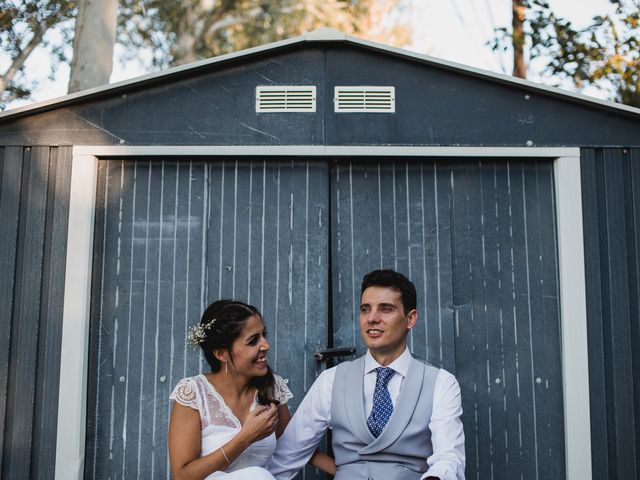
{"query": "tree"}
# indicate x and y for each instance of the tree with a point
(518, 12)
(177, 31)
(183, 31)
(23, 27)
(95, 35)
(605, 54)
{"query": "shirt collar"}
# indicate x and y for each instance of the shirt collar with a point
(399, 365)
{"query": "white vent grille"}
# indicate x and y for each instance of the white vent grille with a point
(274, 99)
(365, 99)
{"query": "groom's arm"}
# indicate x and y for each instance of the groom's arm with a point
(305, 430)
(447, 435)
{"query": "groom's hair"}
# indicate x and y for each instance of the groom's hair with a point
(394, 280)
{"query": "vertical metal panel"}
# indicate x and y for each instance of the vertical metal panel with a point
(611, 250)
(268, 243)
(172, 237)
(96, 395)
(506, 297)
(25, 319)
(614, 231)
(33, 211)
(47, 378)
(544, 313)
(148, 264)
(481, 237)
(394, 215)
(629, 435)
(598, 379)
(11, 179)
(633, 239)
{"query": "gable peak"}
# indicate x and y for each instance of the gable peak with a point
(325, 34)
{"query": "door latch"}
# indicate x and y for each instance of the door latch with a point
(327, 353)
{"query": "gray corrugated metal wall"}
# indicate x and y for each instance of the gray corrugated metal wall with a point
(33, 210)
(172, 236)
(479, 241)
(33, 215)
(506, 298)
(215, 105)
(396, 215)
(477, 238)
(611, 203)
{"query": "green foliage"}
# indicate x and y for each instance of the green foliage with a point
(182, 31)
(23, 27)
(604, 54)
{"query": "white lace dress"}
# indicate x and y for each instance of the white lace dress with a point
(219, 424)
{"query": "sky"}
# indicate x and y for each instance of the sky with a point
(458, 30)
(454, 30)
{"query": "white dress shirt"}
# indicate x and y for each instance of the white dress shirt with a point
(313, 417)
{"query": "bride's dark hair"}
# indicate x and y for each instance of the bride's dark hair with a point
(230, 317)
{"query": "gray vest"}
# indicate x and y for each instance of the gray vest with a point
(401, 450)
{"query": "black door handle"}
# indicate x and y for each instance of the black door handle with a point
(326, 353)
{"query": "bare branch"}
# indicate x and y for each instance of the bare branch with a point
(18, 62)
(234, 20)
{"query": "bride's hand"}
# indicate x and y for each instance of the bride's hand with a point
(261, 422)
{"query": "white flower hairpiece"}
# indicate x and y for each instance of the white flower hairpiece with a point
(198, 333)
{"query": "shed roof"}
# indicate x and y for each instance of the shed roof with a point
(323, 35)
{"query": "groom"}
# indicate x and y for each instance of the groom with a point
(393, 417)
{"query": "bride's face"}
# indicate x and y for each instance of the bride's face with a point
(249, 350)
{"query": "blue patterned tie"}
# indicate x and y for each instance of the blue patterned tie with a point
(382, 406)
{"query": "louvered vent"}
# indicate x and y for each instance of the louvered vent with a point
(365, 99)
(274, 99)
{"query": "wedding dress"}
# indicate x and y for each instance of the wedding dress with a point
(219, 425)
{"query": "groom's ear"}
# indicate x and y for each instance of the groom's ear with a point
(412, 319)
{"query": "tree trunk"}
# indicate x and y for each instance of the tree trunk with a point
(519, 9)
(93, 44)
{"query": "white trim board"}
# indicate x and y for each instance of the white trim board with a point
(573, 314)
(77, 298)
(327, 150)
(74, 355)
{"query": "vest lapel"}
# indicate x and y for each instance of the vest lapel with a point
(354, 401)
(402, 412)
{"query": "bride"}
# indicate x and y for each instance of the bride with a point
(224, 423)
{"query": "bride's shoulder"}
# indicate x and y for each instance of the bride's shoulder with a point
(187, 392)
(282, 393)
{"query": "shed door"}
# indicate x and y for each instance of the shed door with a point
(478, 240)
(170, 237)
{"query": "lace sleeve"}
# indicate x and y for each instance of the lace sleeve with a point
(185, 394)
(281, 390)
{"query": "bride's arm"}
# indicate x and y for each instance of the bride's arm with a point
(284, 416)
(184, 446)
(185, 438)
(324, 462)
(319, 459)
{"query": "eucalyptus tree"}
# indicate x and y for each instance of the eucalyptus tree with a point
(24, 26)
(163, 33)
(605, 54)
(183, 31)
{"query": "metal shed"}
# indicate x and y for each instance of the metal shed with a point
(281, 174)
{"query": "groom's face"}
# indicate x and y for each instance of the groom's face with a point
(383, 323)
